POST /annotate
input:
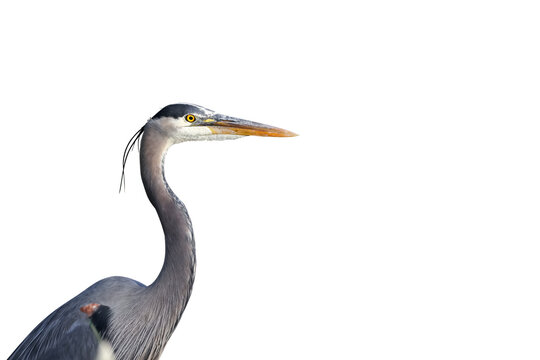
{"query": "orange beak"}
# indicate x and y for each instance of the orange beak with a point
(222, 124)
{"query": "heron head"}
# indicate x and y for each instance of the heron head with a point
(188, 122)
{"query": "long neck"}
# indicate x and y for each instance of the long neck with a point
(172, 288)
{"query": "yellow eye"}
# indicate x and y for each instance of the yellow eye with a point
(190, 118)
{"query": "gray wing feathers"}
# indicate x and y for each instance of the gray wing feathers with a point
(62, 335)
(84, 347)
(66, 332)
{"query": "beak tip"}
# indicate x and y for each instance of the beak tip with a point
(290, 134)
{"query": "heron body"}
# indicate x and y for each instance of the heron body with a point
(141, 319)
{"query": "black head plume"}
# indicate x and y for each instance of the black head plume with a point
(130, 145)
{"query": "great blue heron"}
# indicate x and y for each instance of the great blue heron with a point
(142, 318)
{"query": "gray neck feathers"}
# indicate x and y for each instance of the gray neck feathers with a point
(161, 304)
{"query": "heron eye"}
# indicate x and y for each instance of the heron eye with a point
(190, 118)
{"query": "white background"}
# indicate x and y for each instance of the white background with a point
(401, 224)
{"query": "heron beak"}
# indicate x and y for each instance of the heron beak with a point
(222, 124)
